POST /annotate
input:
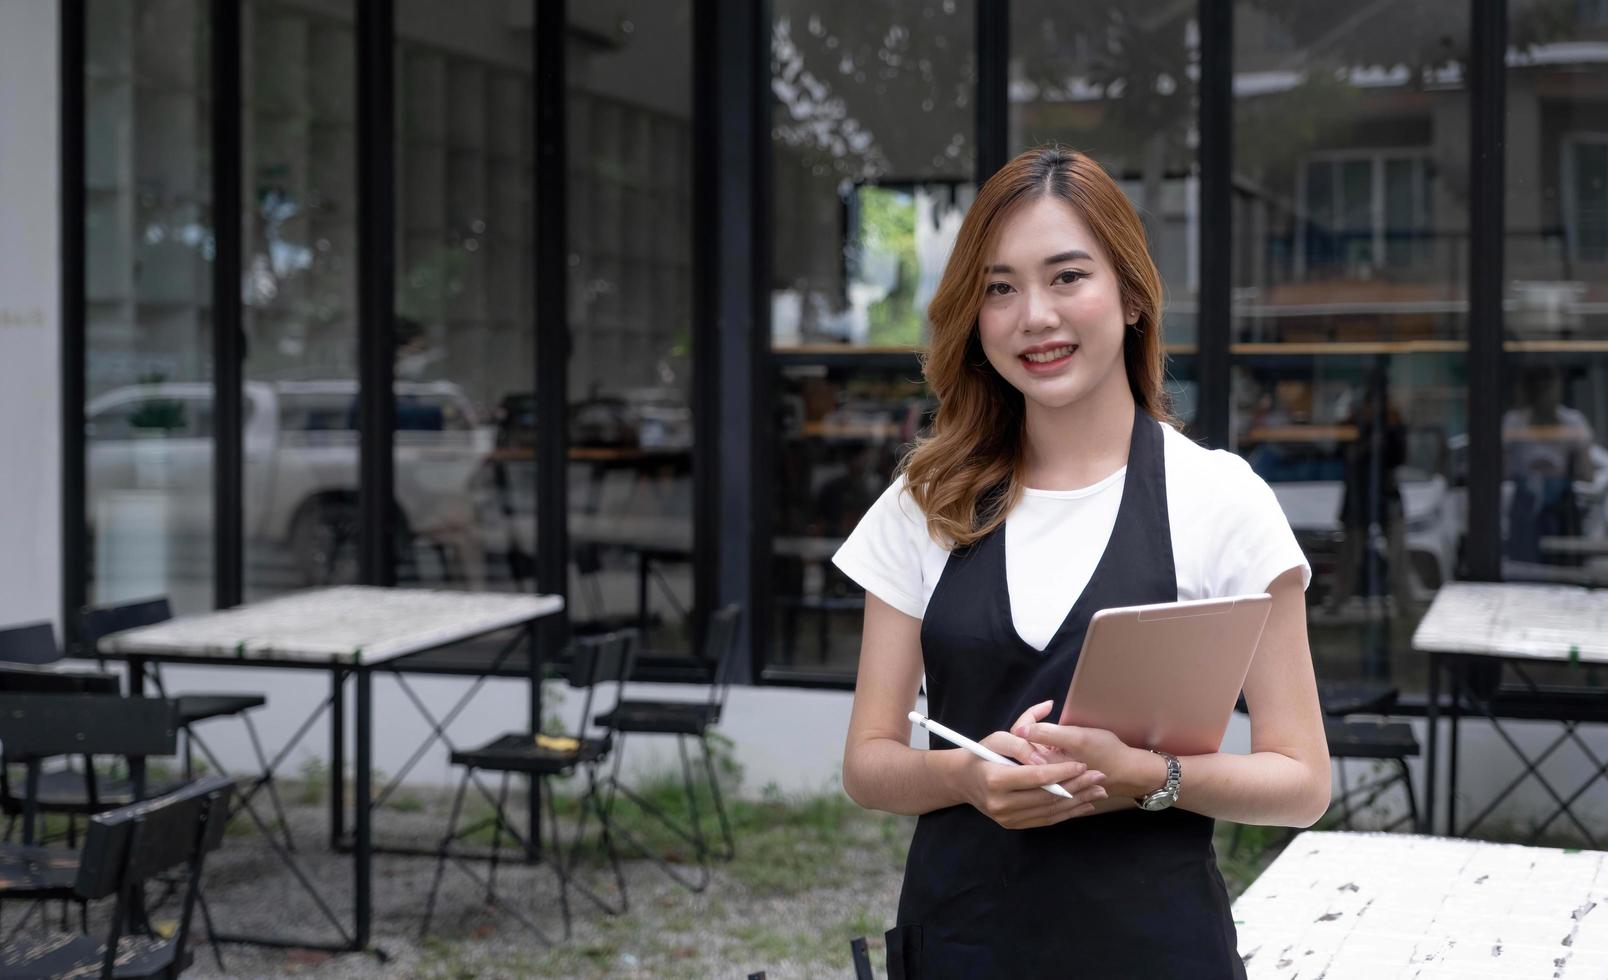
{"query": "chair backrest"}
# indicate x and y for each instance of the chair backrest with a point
(126, 847)
(602, 659)
(134, 843)
(41, 679)
(719, 650)
(862, 959)
(33, 643)
(34, 726)
(97, 622)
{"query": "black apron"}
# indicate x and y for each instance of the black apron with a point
(1124, 894)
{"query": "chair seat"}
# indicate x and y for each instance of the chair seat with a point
(37, 872)
(72, 955)
(199, 707)
(64, 791)
(661, 717)
(1341, 698)
(1369, 740)
(518, 752)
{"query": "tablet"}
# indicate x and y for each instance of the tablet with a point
(1167, 676)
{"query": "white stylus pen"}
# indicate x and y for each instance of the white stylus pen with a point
(979, 751)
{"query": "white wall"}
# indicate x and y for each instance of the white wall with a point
(30, 444)
(794, 739)
(788, 737)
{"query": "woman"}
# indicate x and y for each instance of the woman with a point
(1051, 446)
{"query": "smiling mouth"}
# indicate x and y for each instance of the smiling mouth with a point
(1051, 356)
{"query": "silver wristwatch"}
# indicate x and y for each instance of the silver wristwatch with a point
(1165, 797)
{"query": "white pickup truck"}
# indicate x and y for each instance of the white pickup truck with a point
(300, 464)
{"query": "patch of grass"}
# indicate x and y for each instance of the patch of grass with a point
(824, 947)
(405, 803)
(1257, 847)
(314, 781)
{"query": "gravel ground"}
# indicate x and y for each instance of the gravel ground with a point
(810, 875)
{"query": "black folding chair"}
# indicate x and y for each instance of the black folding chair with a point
(686, 720)
(38, 727)
(123, 849)
(30, 663)
(1392, 743)
(593, 661)
(193, 708)
(1388, 742)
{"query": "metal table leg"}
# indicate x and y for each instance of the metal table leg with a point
(1456, 666)
(337, 758)
(1432, 740)
(533, 840)
(362, 860)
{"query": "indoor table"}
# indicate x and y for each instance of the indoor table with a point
(348, 631)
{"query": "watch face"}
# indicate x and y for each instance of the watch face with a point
(1159, 800)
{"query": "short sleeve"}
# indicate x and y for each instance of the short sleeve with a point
(1255, 543)
(883, 554)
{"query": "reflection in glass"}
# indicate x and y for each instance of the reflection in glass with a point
(1555, 466)
(873, 166)
(148, 231)
(1349, 311)
(631, 369)
(843, 429)
(1122, 88)
(872, 142)
(465, 317)
(299, 294)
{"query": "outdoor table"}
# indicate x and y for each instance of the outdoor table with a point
(1514, 624)
(349, 631)
(1360, 905)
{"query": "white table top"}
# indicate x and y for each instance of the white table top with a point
(1375, 906)
(349, 624)
(1509, 619)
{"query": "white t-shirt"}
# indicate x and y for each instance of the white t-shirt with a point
(1229, 538)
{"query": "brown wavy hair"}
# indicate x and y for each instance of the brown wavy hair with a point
(966, 472)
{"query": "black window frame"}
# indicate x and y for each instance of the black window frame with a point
(733, 475)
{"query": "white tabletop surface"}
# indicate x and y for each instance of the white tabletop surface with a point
(1547, 622)
(1377, 906)
(351, 624)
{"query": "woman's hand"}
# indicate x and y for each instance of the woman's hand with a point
(1130, 772)
(1012, 796)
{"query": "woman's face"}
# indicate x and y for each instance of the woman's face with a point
(1052, 319)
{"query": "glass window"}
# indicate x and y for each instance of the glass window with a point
(299, 294)
(1094, 77)
(465, 307)
(1349, 306)
(631, 371)
(1555, 466)
(873, 166)
(148, 230)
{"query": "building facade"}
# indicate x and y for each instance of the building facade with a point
(624, 299)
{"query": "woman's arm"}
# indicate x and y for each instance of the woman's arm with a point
(882, 772)
(1284, 781)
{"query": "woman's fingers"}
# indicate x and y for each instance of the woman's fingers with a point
(1014, 747)
(1087, 786)
(1069, 739)
(1054, 811)
(1013, 778)
(1033, 715)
